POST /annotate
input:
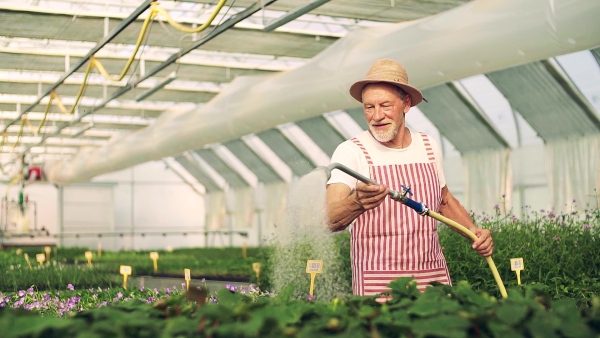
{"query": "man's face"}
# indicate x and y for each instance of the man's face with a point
(384, 111)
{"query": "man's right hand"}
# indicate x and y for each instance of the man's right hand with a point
(369, 196)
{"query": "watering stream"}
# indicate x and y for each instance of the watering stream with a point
(305, 236)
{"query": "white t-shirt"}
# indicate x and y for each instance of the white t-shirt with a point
(350, 155)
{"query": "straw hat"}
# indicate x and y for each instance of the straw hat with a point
(387, 71)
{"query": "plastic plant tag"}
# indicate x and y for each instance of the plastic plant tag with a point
(516, 265)
(99, 249)
(187, 276)
(244, 250)
(40, 258)
(125, 270)
(88, 256)
(19, 251)
(154, 258)
(256, 269)
(169, 248)
(26, 256)
(313, 267)
(47, 250)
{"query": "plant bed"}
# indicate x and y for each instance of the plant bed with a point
(441, 311)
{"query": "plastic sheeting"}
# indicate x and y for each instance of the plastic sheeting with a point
(478, 37)
(573, 167)
(488, 180)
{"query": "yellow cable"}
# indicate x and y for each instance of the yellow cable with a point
(472, 236)
(184, 28)
(20, 133)
(30, 126)
(138, 43)
(13, 182)
(60, 105)
(52, 95)
(4, 138)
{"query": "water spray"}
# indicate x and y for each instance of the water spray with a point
(421, 209)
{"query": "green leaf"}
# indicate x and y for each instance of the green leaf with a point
(284, 295)
(450, 326)
(504, 331)
(367, 311)
(542, 325)
(512, 314)
(228, 298)
(403, 287)
(431, 303)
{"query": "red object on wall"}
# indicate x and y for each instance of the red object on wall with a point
(35, 170)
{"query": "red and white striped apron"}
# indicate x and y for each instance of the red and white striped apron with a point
(392, 240)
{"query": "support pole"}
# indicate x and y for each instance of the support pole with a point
(61, 216)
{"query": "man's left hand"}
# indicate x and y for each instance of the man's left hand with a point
(484, 243)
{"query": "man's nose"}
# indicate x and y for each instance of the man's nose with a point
(378, 113)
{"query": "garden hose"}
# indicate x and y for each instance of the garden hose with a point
(422, 210)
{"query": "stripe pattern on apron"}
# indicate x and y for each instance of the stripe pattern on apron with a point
(392, 240)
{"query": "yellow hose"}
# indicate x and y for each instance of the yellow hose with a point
(472, 236)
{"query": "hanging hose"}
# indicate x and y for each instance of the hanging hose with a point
(422, 210)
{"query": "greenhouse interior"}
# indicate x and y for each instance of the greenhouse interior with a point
(164, 125)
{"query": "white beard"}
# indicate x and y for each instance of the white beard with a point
(385, 135)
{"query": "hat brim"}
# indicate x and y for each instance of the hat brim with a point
(415, 95)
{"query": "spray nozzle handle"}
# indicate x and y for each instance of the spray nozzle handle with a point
(406, 190)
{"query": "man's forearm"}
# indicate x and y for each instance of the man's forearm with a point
(341, 213)
(452, 209)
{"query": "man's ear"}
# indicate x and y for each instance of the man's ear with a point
(407, 104)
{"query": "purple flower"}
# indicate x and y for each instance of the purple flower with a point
(70, 287)
(586, 227)
(21, 293)
(310, 298)
(47, 298)
(141, 288)
(30, 291)
(552, 214)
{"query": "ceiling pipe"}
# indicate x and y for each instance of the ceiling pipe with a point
(478, 37)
